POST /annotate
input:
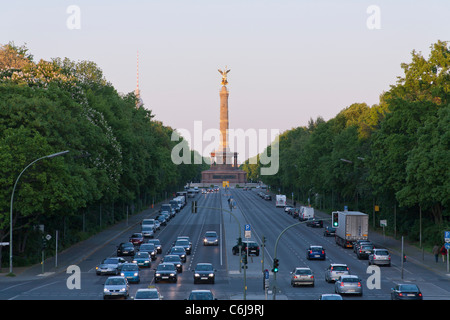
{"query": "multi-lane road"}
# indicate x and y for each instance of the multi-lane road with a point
(265, 221)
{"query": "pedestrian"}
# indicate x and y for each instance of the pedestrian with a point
(443, 252)
(436, 251)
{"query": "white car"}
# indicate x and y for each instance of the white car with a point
(116, 287)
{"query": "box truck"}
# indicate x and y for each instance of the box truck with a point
(281, 200)
(351, 226)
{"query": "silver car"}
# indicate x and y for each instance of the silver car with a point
(335, 270)
(301, 276)
(380, 257)
(116, 287)
(349, 284)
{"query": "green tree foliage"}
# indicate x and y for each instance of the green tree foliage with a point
(394, 154)
(119, 155)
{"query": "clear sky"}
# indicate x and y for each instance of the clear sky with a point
(290, 60)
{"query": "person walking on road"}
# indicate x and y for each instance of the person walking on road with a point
(436, 251)
(443, 252)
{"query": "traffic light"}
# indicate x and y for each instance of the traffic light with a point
(335, 219)
(275, 265)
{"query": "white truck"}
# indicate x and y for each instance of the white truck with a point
(352, 226)
(281, 200)
(306, 213)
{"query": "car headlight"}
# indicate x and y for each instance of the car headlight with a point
(105, 290)
(172, 274)
(197, 275)
(146, 261)
(122, 274)
(211, 274)
(123, 289)
(134, 261)
(157, 274)
(136, 274)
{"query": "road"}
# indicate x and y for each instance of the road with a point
(266, 221)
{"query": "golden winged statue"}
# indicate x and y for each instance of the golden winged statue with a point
(224, 75)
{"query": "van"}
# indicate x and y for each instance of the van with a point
(306, 213)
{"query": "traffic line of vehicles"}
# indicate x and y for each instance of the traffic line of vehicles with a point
(143, 248)
(350, 230)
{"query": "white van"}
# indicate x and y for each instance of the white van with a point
(306, 213)
(281, 200)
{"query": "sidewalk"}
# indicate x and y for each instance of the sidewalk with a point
(78, 252)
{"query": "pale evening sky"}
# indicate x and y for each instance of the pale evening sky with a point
(290, 60)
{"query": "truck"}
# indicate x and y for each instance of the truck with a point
(281, 200)
(351, 226)
(306, 213)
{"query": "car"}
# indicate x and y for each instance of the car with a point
(330, 296)
(315, 252)
(157, 243)
(406, 292)
(131, 272)
(147, 231)
(150, 223)
(348, 284)
(302, 276)
(287, 208)
(180, 251)
(176, 260)
(110, 266)
(166, 271)
(335, 270)
(185, 244)
(150, 248)
(201, 295)
(125, 249)
(380, 257)
(137, 238)
(142, 259)
(253, 248)
(312, 222)
(358, 243)
(116, 286)
(162, 218)
(329, 231)
(147, 294)
(268, 197)
(211, 238)
(204, 272)
(364, 250)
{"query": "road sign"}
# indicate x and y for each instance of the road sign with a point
(4, 244)
(247, 231)
(447, 236)
(447, 246)
(266, 274)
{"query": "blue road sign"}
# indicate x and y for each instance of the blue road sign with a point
(447, 246)
(266, 274)
(447, 236)
(247, 227)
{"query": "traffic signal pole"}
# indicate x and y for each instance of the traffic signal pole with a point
(275, 259)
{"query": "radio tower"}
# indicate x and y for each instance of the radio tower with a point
(137, 92)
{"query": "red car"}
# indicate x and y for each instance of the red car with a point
(137, 239)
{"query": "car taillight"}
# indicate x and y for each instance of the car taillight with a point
(312, 277)
(359, 284)
(420, 294)
(342, 284)
(323, 252)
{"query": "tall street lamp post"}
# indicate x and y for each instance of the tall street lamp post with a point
(11, 207)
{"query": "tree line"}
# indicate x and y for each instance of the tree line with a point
(390, 160)
(119, 158)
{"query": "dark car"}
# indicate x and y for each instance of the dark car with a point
(364, 251)
(329, 231)
(204, 272)
(179, 251)
(166, 271)
(315, 252)
(150, 248)
(314, 223)
(406, 292)
(137, 238)
(185, 244)
(157, 244)
(268, 197)
(253, 248)
(125, 249)
(211, 238)
(176, 260)
(201, 295)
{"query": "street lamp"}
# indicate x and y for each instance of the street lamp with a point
(11, 207)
